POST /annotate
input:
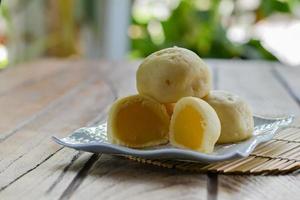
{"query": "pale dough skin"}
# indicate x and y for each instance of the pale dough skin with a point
(172, 73)
(235, 115)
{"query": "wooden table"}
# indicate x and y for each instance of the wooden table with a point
(54, 97)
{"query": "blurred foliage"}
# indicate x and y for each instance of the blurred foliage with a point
(4, 13)
(203, 32)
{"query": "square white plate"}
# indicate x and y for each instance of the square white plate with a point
(94, 139)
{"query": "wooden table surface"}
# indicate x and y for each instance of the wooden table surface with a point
(54, 97)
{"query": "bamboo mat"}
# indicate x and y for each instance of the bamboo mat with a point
(281, 155)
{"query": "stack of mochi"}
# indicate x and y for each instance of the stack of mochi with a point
(175, 104)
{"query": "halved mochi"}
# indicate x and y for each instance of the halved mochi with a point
(138, 121)
(194, 125)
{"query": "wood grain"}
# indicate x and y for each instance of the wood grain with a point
(255, 82)
(49, 179)
(119, 178)
(257, 187)
(289, 77)
(26, 101)
(30, 145)
(28, 73)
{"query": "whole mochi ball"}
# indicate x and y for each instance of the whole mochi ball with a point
(235, 116)
(172, 73)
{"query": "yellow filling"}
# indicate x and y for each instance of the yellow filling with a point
(188, 128)
(137, 124)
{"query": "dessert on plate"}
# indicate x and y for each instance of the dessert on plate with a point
(175, 104)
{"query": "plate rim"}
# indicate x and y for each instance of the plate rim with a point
(177, 153)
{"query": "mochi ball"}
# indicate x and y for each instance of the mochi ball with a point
(235, 116)
(172, 73)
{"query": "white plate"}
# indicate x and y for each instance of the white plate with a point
(94, 139)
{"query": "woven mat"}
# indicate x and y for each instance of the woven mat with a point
(281, 155)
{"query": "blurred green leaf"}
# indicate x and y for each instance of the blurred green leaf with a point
(268, 7)
(202, 31)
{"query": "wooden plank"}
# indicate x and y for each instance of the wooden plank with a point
(27, 73)
(50, 178)
(255, 82)
(117, 178)
(259, 187)
(32, 144)
(289, 77)
(121, 77)
(26, 101)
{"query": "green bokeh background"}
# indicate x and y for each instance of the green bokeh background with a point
(203, 32)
